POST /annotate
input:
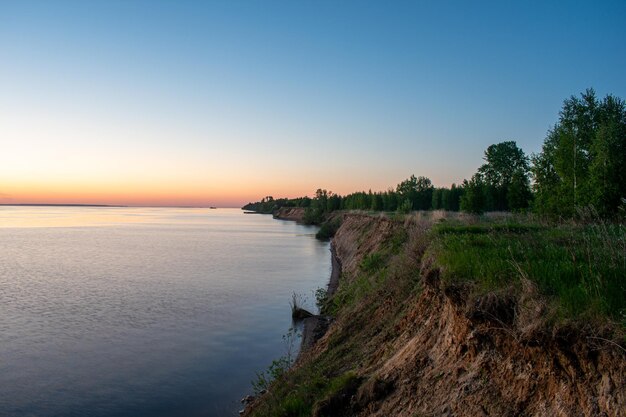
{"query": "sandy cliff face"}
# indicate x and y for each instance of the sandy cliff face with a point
(446, 364)
(454, 356)
(290, 213)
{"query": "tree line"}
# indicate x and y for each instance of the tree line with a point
(582, 164)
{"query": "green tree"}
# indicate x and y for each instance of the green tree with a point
(418, 191)
(607, 170)
(377, 202)
(473, 199)
(424, 193)
(333, 203)
(390, 200)
(407, 192)
(405, 207)
(437, 203)
(518, 192)
(583, 158)
(314, 214)
(547, 182)
(503, 161)
(451, 198)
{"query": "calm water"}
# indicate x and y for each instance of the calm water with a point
(145, 311)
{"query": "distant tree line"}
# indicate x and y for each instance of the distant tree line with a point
(269, 205)
(582, 164)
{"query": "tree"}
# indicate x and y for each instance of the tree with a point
(473, 199)
(390, 200)
(333, 203)
(583, 158)
(424, 194)
(377, 202)
(546, 180)
(503, 161)
(518, 192)
(416, 190)
(437, 203)
(314, 214)
(574, 132)
(405, 207)
(607, 170)
(451, 198)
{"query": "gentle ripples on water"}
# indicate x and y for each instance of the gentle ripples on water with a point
(144, 311)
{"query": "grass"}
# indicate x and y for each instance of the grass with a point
(351, 293)
(299, 393)
(581, 269)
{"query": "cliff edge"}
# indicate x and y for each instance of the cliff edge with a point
(290, 213)
(407, 342)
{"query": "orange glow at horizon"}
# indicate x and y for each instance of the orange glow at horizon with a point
(157, 193)
(105, 158)
(131, 196)
(233, 191)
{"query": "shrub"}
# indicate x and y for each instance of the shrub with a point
(405, 207)
(328, 229)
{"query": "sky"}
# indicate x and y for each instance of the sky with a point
(224, 102)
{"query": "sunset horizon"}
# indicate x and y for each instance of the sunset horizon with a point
(221, 103)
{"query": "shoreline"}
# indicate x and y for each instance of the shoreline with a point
(315, 327)
(335, 273)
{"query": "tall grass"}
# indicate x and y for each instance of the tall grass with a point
(581, 268)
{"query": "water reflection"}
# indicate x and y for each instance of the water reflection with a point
(134, 311)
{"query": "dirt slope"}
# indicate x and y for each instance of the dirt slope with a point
(290, 213)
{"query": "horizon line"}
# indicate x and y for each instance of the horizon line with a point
(104, 205)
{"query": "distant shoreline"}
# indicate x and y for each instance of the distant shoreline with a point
(102, 205)
(58, 205)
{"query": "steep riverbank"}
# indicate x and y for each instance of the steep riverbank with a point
(290, 213)
(406, 342)
(314, 327)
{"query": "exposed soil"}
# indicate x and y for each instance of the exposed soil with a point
(333, 283)
(290, 213)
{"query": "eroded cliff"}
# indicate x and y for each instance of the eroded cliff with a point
(290, 213)
(404, 342)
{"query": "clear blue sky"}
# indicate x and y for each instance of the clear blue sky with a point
(200, 102)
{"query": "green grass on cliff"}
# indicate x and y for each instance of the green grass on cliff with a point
(581, 269)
